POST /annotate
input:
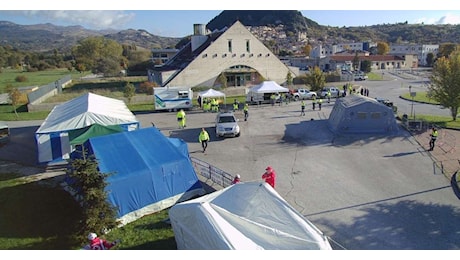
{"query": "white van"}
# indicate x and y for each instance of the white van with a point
(172, 98)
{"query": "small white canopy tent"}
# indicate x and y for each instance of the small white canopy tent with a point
(248, 215)
(211, 93)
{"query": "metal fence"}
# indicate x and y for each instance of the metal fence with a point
(212, 173)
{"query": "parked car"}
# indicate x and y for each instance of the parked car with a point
(335, 92)
(359, 77)
(302, 93)
(227, 125)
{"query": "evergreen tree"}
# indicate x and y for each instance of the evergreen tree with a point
(99, 215)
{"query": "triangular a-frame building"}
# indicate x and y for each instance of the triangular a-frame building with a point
(233, 52)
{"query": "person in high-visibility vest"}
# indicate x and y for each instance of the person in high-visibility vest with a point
(320, 101)
(235, 106)
(329, 94)
(246, 111)
(302, 108)
(181, 118)
(434, 136)
(203, 138)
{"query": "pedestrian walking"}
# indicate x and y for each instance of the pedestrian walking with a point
(329, 94)
(433, 137)
(246, 111)
(181, 118)
(313, 102)
(203, 139)
(320, 101)
(269, 176)
(302, 108)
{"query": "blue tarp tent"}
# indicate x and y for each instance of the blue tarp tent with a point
(149, 172)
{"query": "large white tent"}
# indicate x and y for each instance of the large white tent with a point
(261, 93)
(248, 215)
(52, 136)
(268, 87)
(212, 93)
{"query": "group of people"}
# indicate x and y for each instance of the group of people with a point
(208, 104)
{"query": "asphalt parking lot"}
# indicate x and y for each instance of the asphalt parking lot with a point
(363, 191)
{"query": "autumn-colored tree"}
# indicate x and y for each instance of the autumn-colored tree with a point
(223, 80)
(445, 49)
(445, 82)
(15, 97)
(382, 48)
(307, 49)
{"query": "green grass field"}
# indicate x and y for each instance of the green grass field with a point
(37, 216)
(39, 78)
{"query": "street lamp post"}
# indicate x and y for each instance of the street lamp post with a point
(412, 94)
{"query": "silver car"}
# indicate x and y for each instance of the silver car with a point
(227, 125)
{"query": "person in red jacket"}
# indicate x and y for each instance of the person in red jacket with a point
(269, 176)
(97, 243)
(237, 179)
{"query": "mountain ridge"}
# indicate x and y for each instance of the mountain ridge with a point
(47, 37)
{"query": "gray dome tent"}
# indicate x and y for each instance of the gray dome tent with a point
(359, 114)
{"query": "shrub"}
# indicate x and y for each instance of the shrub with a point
(21, 78)
(147, 87)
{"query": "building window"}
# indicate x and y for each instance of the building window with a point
(248, 46)
(229, 45)
(361, 115)
(375, 115)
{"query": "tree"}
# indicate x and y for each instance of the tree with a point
(129, 91)
(355, 61)
(289, 78)
(98, 214)
(307, 49)
(445, 82)
(446, 49)
(15, 97)
(430, 59)
(382, 48)
(223, 80)
(93, 52)
(316, 79)
(366, 66)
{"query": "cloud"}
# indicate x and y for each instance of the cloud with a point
(447, 19)
(93, 19)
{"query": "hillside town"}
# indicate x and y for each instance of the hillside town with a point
(344, 58)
